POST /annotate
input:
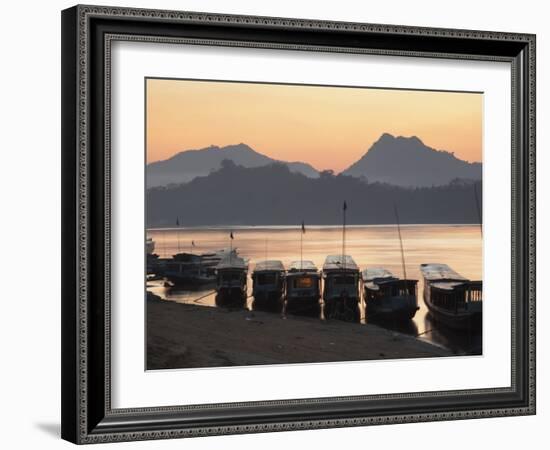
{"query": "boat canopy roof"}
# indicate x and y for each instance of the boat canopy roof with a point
(377, 273)
(302, 266)
(340, 262)
(269, 266)
(222, 253)
(186, 257)
(447, 285)
(434, 272)
(232, 263)
(372, 286)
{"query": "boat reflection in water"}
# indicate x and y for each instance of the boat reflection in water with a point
(408, 327)
(303, 287)
(459, 341)
(341, 288)
(268, 285)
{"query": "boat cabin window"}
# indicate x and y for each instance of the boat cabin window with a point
(343, 280)
(303, 282)
(399, 290)
(231, 276)
(266, 278)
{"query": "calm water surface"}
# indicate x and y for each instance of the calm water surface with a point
(459, 246)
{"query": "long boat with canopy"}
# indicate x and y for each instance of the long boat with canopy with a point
(303, 286)
(231, 280)
(388, 297)
(340, 285)
(268, 283)
(191, 269)
(452, 299)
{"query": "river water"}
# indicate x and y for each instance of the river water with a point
(459, 246)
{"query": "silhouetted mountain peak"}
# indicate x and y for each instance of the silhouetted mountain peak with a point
(189, 164)
(214, 149)
(407, 161)
(388, 143)
(241, 147)
(386, 137)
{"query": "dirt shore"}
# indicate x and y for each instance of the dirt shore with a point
(184, 336)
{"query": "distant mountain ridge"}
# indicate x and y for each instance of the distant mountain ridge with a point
(190, 164)
(408, 162)
(399, 161)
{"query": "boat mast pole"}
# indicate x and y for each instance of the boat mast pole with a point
(230, 245)
(178, 233)
(302, 246)
(344, 235)
(400, 244)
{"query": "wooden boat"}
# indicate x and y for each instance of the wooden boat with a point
(155, 265)
(340, 286)
(452, 299)
(388, 297)
(303, 286)
(191, 269)
(268, 282)
(231, 281)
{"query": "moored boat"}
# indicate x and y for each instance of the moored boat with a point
(268, 283)
(231, 281)
(153, 261)
(303, 286)
(452, 299)
(340, 287)
(388, 297)
(191, 269)
(155, 265)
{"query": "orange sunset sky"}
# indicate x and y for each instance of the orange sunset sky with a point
(327, 127)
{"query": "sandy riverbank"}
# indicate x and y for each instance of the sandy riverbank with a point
(183, 336)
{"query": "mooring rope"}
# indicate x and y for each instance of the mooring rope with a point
(196, 300)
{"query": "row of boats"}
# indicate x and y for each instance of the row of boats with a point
(451, 299)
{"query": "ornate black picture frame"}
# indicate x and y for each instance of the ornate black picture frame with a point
(87, 34)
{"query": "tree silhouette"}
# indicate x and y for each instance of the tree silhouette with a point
(273, 195)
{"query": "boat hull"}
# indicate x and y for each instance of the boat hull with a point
(298, 304)
(230, 296)
(341, 308)
(462, 320)
(268, 299)
(392, 308)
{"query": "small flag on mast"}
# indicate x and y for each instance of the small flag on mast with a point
(177, 221)
(345, 205)
(231, 234)
(303, 227)
(193, 243)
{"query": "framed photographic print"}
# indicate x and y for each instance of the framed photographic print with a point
(282, 224)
